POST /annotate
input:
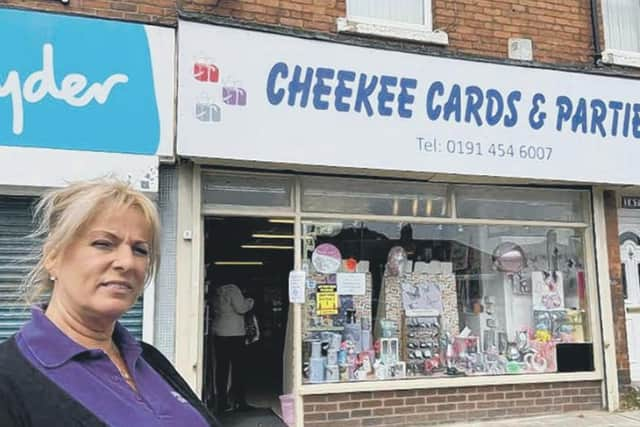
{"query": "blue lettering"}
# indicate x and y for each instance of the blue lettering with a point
(300, 86)
(320, 88)
(636, 120)
(436, 88)
(275, 96)
(511, 119)
(616, 106)
(342, 91)
(537, 117)
(599, 113)
(384, 96)
(405, 98)
(565, 107)
(475, 99)
(452, 106)
(495, 107)
(364, 92)
(580, 117)
(627, 118)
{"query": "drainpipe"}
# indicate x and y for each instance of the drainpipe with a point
(597, 55)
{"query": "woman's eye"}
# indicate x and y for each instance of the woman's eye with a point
(102, 244)
(141, 250)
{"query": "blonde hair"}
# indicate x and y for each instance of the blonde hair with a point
(62, 213)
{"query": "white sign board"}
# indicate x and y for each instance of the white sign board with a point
(264, 97)
(351, 283)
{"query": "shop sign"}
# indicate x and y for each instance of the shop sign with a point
(265, 97)
(87, 97)
(630, 202)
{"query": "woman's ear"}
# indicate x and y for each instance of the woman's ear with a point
(50, 258)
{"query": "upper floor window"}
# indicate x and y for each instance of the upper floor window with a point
(621, 20)
(401, 19)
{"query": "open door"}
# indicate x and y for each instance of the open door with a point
(256, 255)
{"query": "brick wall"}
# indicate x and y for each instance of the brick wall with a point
(617, 293)
(436, 406)
(148, 11)
(560, 29)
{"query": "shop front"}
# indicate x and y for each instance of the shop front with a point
(629, 240)
(80, 98)
(437, 238)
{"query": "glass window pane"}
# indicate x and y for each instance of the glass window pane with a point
(406, 11)
(622, 24)
(388, 300)
(490, 202)
(246, 190)
(331, 195)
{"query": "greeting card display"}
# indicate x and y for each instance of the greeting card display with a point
(326, 259)
(547, 290)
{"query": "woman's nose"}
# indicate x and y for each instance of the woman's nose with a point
(124, 258)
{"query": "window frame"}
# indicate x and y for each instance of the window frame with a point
(613, 55)
(394, 29)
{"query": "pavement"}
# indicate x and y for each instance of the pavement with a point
(573, 419)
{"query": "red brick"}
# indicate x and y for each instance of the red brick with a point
(393, 402)
(338, 415)
(383, 411)
(371, 403)
(319, 416)
(414, 401)
(359, 413)
(349, 405)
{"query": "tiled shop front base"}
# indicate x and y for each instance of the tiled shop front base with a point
(445, 405)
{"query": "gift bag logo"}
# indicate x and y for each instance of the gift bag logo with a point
(205, 71)
(233, 95)
(207, 111)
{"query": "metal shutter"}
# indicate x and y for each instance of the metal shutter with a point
(15, 224)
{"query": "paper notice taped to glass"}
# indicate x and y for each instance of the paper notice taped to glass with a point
(297, 281)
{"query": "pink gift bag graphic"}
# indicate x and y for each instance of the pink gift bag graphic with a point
(204, 70)
(233, 95)
(207, 111)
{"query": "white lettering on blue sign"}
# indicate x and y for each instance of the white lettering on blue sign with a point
(73, 88)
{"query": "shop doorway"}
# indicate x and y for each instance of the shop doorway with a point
(630, 257)
(256, 254)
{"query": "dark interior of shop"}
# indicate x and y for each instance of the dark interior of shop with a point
(260, 270)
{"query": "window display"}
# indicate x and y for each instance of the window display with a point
(388, 300)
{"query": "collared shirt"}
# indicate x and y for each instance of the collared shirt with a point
(89, 376)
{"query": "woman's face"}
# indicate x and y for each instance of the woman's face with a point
(102, 272)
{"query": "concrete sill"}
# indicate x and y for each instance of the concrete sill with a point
(394, 31)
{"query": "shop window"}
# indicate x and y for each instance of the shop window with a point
(404, 19)
(621, 19)
(247, 190)
(520, 203)
(388, 300)
(360, 196)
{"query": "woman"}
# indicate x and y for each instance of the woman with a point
(73, 364)
(229, 308)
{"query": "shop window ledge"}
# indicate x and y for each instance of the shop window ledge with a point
(419, 33)
(428, 383)
(625, 58)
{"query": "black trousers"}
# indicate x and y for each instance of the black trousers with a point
(230, 353)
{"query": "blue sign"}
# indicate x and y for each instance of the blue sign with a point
(76, 84)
